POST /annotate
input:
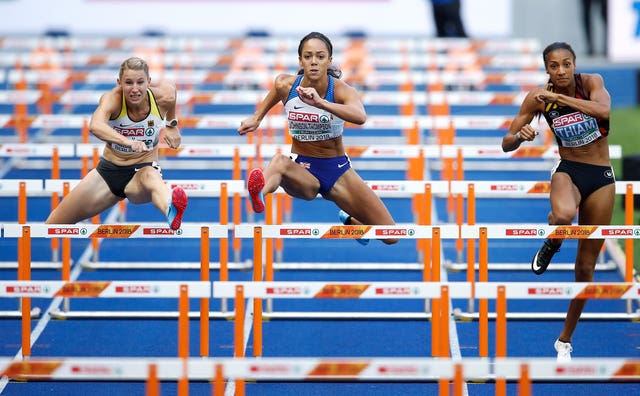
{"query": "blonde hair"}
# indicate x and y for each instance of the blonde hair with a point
(134, 63)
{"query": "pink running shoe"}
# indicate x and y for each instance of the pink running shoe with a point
(176, 208)
(255, 184)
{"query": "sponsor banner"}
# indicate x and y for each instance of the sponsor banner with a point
(342, 291)
(346, 232)
(114, 231)
(27, 369)
(338, 369)
(82, 289)
(603, 291)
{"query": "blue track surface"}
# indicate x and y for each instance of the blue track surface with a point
(304, 338)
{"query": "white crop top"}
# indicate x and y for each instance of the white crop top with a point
(308, 123)
(147, 130)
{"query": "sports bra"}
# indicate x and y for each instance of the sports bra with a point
(308, 123)
(147, 130)
(573, 128)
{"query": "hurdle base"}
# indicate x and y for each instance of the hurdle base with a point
(145, 265)
(471, 316)
(62, 315)
(34, 264)
(35, 313)
(348, 315)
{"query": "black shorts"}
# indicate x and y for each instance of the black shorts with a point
(588, 178)
(117, 177)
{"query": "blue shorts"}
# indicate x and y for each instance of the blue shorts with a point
(117, 177)
(326, 170)
(588, 178)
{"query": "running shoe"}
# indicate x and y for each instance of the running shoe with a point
(564, 350)
(543, 257)
(176, 207)
(345, 219)
(255, 184)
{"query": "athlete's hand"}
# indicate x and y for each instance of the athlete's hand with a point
(172, 137)
(309, 96)
(544, 96)
(138, 146)
(527, 133)
(248, 125)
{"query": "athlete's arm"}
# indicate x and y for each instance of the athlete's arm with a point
(520, 129)
(281, 87)
(347, 105)
(598, 105)
(109, 104)
(165, 93)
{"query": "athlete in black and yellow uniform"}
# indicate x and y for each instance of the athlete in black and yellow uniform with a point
(129, 119)
(576, 107)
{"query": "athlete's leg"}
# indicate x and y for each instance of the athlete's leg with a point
(352, 195)
(89, 198)
(597, 209)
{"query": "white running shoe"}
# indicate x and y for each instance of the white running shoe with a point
(564, 350)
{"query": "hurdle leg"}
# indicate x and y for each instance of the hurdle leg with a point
(152, 385)
(218, 381)
(183, 338)
(238, 349)
(524, 384)
(24, 274)
(204, 302)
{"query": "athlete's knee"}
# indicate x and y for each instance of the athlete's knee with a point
(279, 162)
(562, 217)
(390, 241)
(584, 270)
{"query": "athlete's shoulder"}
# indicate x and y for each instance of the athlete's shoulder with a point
(164, 92)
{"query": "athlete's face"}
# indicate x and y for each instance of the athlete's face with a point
(134, 84)
(315, 59)
(560, 66)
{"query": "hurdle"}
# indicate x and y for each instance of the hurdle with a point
(537, 231)
(183, 290)
(530, 190)
(431, 265)
(523, 371)
(148, 230)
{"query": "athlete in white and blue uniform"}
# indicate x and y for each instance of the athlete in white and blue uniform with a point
(129, 119)
(317, 104)
(576, 107)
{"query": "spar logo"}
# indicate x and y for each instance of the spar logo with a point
(569, 119)
(285, 290)
(395, 232)
(400, 370)
(307, 117)
(188, 186)
(386, 187)
(394, 291)
(298, 231)
(271, 369)
(620, 232)
(135, 289)
(575, 370)
(92, 370)
(160, 231)
(523, 232)
(137, 132)
(545, 291)
(505, 187)
(26, 289)
(64, 231)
